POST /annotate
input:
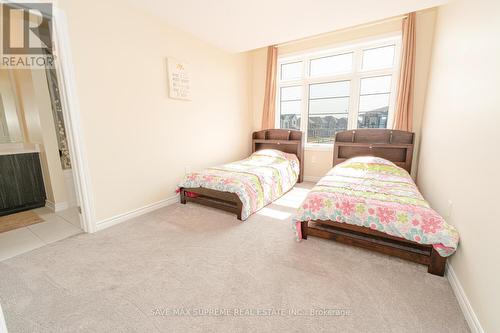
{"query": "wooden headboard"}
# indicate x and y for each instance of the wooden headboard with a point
(393, 145)
(288, 141)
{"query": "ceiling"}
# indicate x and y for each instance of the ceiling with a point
(237, 25)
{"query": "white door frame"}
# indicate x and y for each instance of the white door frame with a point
(71, 114)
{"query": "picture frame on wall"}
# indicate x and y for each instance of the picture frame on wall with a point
(179, 80)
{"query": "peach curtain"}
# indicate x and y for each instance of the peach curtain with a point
(269, 110)
(403, 118)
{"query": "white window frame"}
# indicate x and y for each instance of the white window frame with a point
(354, 77)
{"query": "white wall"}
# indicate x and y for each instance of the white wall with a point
(139, 141)
(318, 162)
(459, 155)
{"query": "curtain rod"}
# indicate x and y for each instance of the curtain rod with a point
(296, 41)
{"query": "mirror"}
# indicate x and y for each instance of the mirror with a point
(10, 128)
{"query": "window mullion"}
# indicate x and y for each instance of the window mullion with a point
(355, 89)
(354, 102)
(277, 108)
(305, 109)
(392, 98)
(305, 100)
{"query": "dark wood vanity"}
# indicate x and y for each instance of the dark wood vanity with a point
(21, 182)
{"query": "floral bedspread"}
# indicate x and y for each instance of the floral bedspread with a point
(257, 180)
(375, 193)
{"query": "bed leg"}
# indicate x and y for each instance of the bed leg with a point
(183, 196)
(239, 209)
(303, 229)
(437, 264)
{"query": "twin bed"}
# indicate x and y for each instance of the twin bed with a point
(367, 200)
(245, 186)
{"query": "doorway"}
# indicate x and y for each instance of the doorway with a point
(39, 124)
(38, 195)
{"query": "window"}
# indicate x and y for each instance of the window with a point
(379, 57)
(374, 101)
(291, 71)
(291, 99)
(331, 65)
(328, 110)
(338, 89)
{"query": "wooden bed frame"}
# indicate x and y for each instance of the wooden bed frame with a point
(288, 141)
(395, 146)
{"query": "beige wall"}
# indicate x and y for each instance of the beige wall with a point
(459, 152)
(258, 63)
(138, 140)
(318, 162)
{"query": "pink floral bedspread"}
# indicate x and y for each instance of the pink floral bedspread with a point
(257, 180)
(375, 193)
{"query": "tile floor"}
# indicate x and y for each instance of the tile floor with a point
(56, 226)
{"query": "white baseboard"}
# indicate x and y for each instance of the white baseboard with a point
(312, 179)
(136, 212)
(463, 301)
(3, 326)
(56, 207)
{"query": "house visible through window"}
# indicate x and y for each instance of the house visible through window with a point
(333, 90)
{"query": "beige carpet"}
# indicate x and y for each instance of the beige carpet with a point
(135, 277)
(18, 220)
